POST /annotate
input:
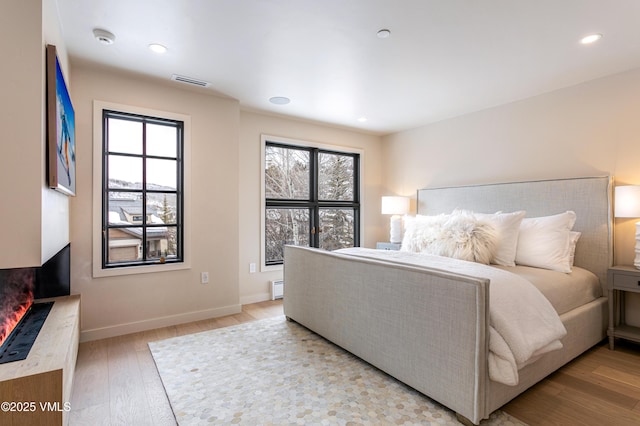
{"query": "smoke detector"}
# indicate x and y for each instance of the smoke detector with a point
(104, 36)
(279, 100)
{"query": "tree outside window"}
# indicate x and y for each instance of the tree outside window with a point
(311, 199)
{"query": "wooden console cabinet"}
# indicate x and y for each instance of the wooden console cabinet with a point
(37, 390)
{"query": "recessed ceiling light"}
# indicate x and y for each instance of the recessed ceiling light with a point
(384, 33)
(279, 100)
(104, 36)
(592, 38)
(158, 48)
(362, 119)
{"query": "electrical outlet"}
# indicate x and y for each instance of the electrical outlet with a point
(204, 277)
(252, 268)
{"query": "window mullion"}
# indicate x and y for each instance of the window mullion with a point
(179, 192)
(356, 199)
(105, 189)
(314, 213)
(144, 191)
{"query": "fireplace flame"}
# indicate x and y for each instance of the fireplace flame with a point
(16, 296)
(12, 319)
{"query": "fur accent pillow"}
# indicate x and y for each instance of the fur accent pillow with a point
(459, 235)
(420, 231)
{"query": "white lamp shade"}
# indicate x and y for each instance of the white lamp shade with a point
(627, 201)
(395, 205)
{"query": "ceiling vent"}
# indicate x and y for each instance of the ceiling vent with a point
(189, 80)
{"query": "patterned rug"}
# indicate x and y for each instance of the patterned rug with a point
(275, 372)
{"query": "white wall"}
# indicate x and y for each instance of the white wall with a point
(116, 305)
(255, 286)
(34, 220)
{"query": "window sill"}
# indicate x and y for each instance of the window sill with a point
(269, 268)
(98, 272)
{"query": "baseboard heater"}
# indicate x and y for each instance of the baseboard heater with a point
(277, 289)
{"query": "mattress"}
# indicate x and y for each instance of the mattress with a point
(564, 291)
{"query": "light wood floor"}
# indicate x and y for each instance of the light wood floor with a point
(116, 381)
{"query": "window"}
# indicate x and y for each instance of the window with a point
(312, 198)
(142, 190)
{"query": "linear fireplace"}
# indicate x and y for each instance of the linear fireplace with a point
(16, 297)
(21, 312)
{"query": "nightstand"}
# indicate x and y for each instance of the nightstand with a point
(388, 246)
(621, 279)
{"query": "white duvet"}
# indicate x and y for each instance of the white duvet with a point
(523, 324)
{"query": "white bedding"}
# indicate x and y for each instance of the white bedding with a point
(565, 291)
(523, 324)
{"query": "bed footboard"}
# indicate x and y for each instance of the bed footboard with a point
(427, 328)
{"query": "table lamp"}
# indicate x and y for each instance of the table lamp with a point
(627, 204)
(395, 206)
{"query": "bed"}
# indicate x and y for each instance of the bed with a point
(431, 327)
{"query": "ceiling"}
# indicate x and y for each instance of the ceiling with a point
(443, 58)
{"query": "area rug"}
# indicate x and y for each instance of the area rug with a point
(275, 372)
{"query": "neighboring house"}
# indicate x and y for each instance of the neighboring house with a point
(126, 243)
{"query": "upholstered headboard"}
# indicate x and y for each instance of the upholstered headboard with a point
(589, 197)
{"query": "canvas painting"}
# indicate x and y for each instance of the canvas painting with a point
(61, 128)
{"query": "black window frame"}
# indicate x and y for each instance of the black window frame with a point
(314, 204)
(179, 191)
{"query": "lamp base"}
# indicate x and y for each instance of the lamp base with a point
(395, 230)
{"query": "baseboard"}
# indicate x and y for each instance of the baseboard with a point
(150, 324)
(255, 298)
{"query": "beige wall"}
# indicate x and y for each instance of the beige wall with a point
(590, 129)
(255, 286)
(34, 220)
(55, 206)
(115, 305)
(225, 212)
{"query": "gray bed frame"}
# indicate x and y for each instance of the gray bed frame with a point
(428, 328)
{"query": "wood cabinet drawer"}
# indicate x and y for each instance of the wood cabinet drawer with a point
(627, 282)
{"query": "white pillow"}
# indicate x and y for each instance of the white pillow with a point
(508, 227)
(544, 242)
(573, 240)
